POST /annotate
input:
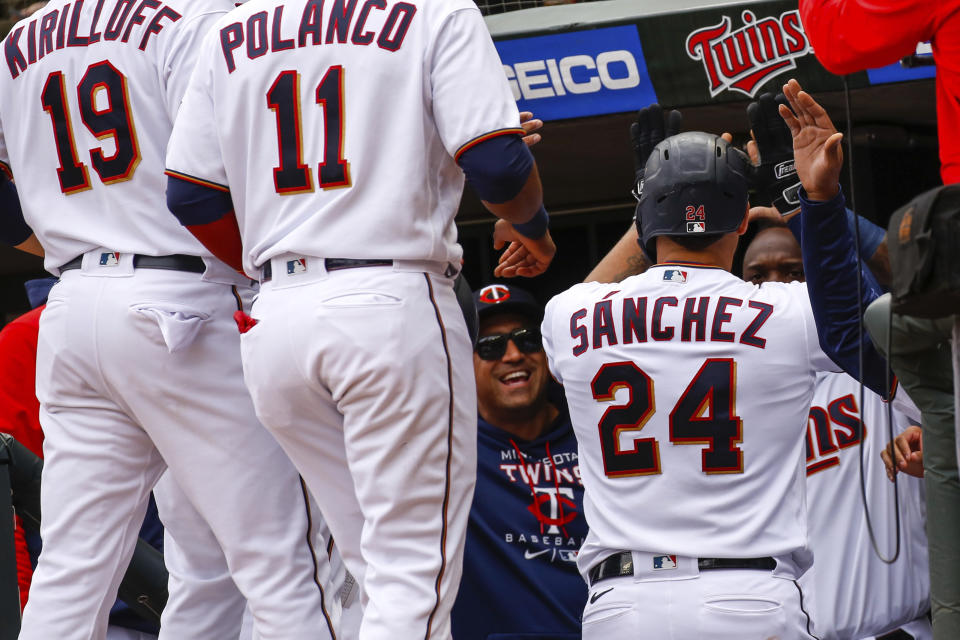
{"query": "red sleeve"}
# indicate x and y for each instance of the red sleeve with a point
(24, 567)
(853, 35)
(19, 407)
(222, 239)
(20, 411)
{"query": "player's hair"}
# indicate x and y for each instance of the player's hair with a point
(696, 243)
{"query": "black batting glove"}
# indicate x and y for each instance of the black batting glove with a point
(775, 179)
(650, 129)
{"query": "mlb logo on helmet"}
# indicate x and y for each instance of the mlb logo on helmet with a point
(109, 259)
(696, 227)
(298, 265)
(664, 562)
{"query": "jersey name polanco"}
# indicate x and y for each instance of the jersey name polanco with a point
(335, 125)
(854, 593)
(88, 96)
(689, 391)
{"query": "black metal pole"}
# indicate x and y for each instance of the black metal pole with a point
(9, 587)
(144, 585)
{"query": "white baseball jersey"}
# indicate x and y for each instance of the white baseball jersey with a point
(317, 89)
(90, 122)
(854, 594)
(689, 391)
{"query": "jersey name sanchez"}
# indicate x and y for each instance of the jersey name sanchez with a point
(855, 594)
(335, 125)
(689, 391)
(88, 96)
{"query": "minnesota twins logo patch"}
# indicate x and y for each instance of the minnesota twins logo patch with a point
(296, 266)
(660, 563)
(494, 294)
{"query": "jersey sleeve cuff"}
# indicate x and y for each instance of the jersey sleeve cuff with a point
(199, 181)
(492, 134)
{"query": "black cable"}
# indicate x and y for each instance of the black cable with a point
(861, 429)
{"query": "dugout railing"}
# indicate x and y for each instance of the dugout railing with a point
(144, 585)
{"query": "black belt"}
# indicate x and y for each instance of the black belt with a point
(333, 264)
(621, 564)
(176, 262)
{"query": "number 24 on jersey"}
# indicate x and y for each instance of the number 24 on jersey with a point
(705, 414)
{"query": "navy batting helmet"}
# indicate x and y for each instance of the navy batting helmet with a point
(694, 185)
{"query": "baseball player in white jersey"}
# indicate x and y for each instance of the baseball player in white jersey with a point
(138, 362)
(853, 593)
(689, 391)
(326, 137)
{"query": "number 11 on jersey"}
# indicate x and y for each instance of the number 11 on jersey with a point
(283, 98)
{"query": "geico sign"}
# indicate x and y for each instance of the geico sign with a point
(549, 78)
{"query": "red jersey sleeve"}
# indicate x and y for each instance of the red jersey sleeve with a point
(20, 412)
(24, 566)
(19, 407)
(853, 35)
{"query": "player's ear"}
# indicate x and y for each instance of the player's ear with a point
(742, 229)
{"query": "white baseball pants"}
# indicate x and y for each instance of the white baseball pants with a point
(122, 633)
(204, 601)
(365, 377)
(725, 604)
(138, 370)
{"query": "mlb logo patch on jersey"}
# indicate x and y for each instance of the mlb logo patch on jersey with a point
(109, 259)
(568, 555)
(296, 266)
(674, 275)
(661, 563)
(696, 227)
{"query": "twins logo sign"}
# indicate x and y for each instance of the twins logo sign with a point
(743, 59)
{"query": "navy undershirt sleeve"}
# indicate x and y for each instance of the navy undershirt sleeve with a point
(195, 204)
(831, 267)
(497, 168)
(13, 228)
(870, 234)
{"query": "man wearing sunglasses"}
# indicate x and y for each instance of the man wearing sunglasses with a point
(526, 524)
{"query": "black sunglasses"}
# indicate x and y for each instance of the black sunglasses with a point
(493, 347)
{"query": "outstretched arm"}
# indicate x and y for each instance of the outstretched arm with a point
(625, 259)
(828, 260)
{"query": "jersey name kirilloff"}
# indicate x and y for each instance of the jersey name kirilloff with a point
(123, 20)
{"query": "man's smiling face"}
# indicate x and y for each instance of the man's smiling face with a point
(516, 381)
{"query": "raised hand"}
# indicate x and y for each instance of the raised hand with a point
(774, 176)
(650, 128)
(816, 143)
